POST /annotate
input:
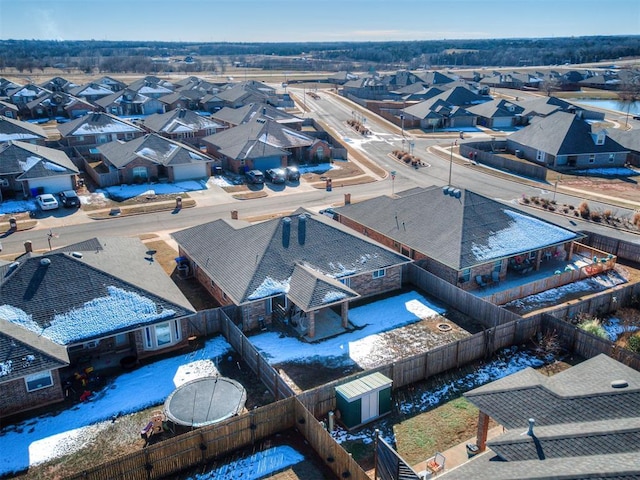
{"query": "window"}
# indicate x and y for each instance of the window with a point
(38, 381)
(540, 156)
(103, 138)
(592, 159)
(345, 281)
(128, 136)
(80, 138)
(466, 275)
(379, 273)
(140, 172)
(612, 157)
(121, 339)
(497, 266)
(162, 335)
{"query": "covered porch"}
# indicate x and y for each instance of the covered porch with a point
(550, 271)
(321, 324)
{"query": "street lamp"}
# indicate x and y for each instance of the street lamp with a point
(402, 123)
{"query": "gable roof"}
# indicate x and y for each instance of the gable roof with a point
(474, 230)
(97, 123)
(264, 266)
(23, 353)
(11, 129)
(244, 114)
(34, 161)
(311, 290)
(563, 134)
(580, 420)
(179, 121)
(75, 297)
(153, 148)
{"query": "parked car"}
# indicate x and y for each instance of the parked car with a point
(276, 175)
(46, 201)
(254, 176)
(329, 212)
(293, 174)
(69, 199)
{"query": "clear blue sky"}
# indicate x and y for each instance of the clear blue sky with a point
(311, 21)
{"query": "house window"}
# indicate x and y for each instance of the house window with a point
(346, 282)
(140, 172)
(121, 339)
(379, 273)
(466, 275)
(80, 138)
(592, 159)
(162, 335)
(612, 157)
(497, 266)
(103, 138)
(128, 136)
(540, 156)
(320, 153)
(38, 381)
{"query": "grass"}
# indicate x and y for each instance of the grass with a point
(436, 430)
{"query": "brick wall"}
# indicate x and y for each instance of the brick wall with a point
(366, 285)
(14, 397)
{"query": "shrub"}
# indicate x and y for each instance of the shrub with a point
(595, 216)
(633, 343)
(406, 158)
(594, 327)
(636, 219)
(565, 210)
(571, 207)
(525, 200)
(552, 208)
(607, 215)
(535, 200)
(584, 210)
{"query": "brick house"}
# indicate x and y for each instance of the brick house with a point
(294, 269)
(457, 234)
(101, 298)
(182, 125)
(13, 129)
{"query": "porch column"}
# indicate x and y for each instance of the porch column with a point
(312, 324)
(483, 430)
(571, 245)
(344, 310)
(538, 259)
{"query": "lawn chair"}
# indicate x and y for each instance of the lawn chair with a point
(435, 464)
(481, 283)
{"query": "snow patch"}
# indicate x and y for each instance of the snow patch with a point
(270, 287)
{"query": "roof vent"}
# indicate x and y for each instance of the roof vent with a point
(286, 231)
(445, 190)
(531, 424)
(45, 262)
(619, 384)
(13, 266)
(302, 228)
(456, 193)
(76, 254)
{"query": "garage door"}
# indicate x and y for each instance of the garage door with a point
(52, 184)
(189, 172)
(501, 122)
(267, 163)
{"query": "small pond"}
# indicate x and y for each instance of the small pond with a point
(634, 107)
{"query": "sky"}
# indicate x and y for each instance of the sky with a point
(305, 21)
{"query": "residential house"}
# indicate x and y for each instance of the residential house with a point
(58, 84)
(7, 85)
(184, 99)
(8, 110)
(545, 106)
(498, 113)
(566, 141)
(295, 269)
(21, 96)
(148, 158)
(240, 94)
(580, 423)
(458, 234)
(103, 298)
(58, 105)
(111, 83)
(181, 125)
(130, 103)
(91, 92)
(340, 78)
(30, 170)
(86, 133)
(13, 129)
(151, 86)
(232, 117)
(196, 83)
(630, 140)
(439, 113)
(262, 144)
(379, 87)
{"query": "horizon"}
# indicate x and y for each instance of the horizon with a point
(332, 21)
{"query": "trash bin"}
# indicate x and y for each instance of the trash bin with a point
(178, 202)
(328, 185)
(13, 223)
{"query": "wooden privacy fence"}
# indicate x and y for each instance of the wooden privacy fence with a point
(482, 154)
(182, 452)
(320, 400)
(585, 344)
(478, 308)
(629, 251)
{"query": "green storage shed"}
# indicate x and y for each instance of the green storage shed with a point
(363, 400)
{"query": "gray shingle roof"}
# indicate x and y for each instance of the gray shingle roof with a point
(244, 114)
(458, 232)
(584, 427)
(153, 148)
(311, 290)
(45, 294)
(179, 121)
(34, 161)
(11, 129)
(97, 123)
(259, 260)
(563, 133)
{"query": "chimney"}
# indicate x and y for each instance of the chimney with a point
(302, 228)
(347, 199)
(531, 424)
(234, 214)
(28, 248)
(286, 231)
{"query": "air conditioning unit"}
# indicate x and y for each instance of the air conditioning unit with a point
(4, 182)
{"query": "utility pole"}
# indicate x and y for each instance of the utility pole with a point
(450, 162)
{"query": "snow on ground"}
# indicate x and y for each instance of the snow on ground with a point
(17, 206)
(258, 465)
(124, 192)
(47, 437)
(553, 296)
(509, 361)
(371, 319)
(319, 168)
(610, 172)
(615, 328)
